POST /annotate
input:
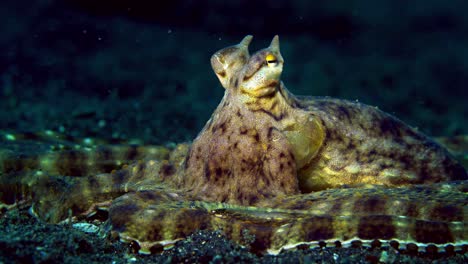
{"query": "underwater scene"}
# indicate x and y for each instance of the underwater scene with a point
(233, 131)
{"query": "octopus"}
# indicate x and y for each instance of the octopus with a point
(269, 170)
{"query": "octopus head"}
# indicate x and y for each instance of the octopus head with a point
(261, 75)
(226, 63)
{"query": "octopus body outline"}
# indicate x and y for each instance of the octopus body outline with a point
(289, 170)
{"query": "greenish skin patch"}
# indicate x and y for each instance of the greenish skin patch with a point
(286, 169)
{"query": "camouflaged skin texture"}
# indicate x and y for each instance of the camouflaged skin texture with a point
(366, 145)
(269, 169)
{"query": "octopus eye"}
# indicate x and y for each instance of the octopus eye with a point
(271, 60)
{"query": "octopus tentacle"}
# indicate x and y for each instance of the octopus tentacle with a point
(270, 170)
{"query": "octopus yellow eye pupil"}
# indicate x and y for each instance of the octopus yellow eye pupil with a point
(270, 58)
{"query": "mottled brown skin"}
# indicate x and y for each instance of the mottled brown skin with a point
(286, 169)
(263, 144)
(249, 142)
(365, 145)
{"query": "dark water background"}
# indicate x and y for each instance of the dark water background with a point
(140, 69)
